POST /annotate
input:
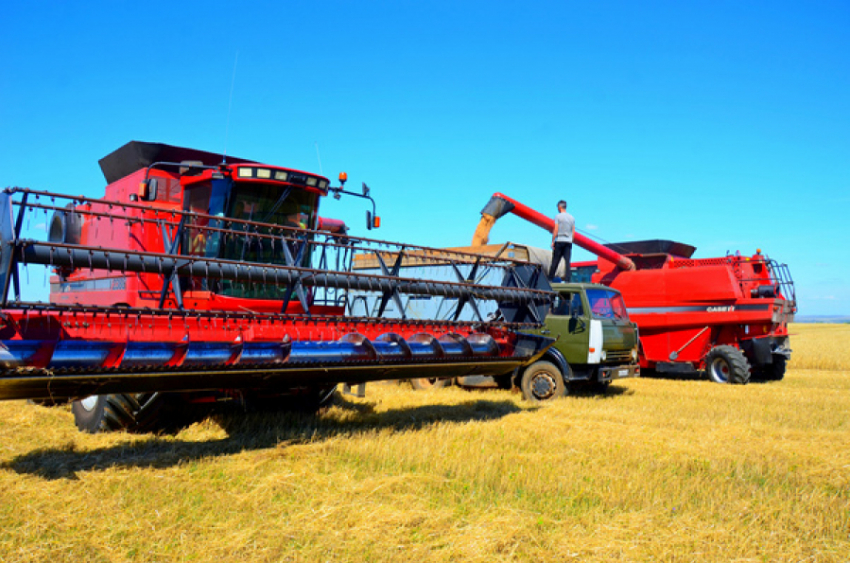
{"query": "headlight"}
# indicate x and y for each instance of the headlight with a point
(604, 355)
(634, 354)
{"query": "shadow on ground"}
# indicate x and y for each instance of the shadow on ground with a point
(252, 431)
(696, 376)
(596, 392)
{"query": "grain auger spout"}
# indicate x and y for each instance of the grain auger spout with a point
(500, 205)
(209, 278)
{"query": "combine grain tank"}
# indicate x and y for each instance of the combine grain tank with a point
(196, 281)
(727, 316)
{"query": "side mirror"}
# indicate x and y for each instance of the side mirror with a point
(365, 190)
(372, 221)
(575, 324)
(147, 190)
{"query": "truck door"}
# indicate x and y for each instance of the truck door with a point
(607, 306)
(568, 322)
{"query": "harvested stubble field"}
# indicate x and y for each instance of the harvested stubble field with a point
(660, 470)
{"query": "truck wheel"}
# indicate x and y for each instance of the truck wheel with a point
(137, 413)
(542, 382)
(727, 364)
(425, 383)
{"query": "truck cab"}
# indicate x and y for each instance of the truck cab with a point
(596, 340)
(596, 343)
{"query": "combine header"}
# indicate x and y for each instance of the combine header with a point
(727, 316)
(216, 281)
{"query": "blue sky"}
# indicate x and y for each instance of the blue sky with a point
(725, 125)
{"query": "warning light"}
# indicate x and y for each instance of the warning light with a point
(377, 222)
(343, 177)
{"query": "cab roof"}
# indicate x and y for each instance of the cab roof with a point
(580, 285)
(136, 155)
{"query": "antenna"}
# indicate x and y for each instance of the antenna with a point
(318, 156)
(229, 107)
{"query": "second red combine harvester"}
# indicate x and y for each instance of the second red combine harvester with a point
(196, 280)
(727, 316)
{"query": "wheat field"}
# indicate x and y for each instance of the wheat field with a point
(820, 346)
(654, 470)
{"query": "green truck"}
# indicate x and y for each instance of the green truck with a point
(596, 344)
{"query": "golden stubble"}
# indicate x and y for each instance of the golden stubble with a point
(656, 469)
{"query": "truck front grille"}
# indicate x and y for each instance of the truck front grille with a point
(618, 356)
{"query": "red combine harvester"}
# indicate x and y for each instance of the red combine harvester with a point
(196, 281)
(727, 316)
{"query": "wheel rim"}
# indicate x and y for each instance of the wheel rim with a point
(544, 386)
(720, 370)
(89, 403)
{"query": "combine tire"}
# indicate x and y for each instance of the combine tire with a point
(319, 398)
(136, 413)
(727, 364)
(774, 371)
(542, 382)
(426, 383)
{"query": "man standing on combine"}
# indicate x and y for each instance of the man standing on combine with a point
(562, 241)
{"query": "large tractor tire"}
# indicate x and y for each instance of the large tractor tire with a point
(727, 364)
(316, 398)
(774, 371)
(137, 413)
(542, 382)
(426, 383)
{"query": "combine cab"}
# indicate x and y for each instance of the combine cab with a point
(726, 316)
(197, 281)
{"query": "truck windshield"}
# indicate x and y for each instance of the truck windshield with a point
(607, 304)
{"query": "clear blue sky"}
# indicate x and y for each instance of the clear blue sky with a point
(725, 125)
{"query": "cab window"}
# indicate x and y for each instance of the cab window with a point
(567, 305)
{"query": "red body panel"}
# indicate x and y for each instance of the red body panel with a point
(118, 229)
(687, 306)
